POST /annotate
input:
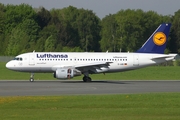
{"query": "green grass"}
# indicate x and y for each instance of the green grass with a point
(156, 106)
(164, 106)
(148, 73)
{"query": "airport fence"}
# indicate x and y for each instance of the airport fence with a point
(6, 58)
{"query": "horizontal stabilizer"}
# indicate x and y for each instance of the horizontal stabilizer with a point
(170, 56)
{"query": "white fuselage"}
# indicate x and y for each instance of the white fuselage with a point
(117, 62)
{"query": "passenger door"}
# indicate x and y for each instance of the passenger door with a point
(31, 59)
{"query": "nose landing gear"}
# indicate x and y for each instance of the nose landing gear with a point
(31, 77)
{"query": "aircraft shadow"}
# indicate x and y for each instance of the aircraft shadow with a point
(65, 81)
(98, 81)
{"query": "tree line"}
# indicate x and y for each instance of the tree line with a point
(24, 29)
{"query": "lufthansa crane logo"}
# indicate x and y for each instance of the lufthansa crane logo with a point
(159, 38)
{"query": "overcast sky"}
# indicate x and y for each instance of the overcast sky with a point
(105, 7)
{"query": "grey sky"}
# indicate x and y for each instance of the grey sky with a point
(105, 7)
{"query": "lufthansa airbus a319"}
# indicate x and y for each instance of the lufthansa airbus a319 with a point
(66, 65)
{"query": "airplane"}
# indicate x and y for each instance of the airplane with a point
(66, 65)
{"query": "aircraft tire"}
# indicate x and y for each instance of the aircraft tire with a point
(86, 79)
(31, 80)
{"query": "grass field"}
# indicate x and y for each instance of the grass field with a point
(151, 106)
(157, 106)
(149, 73)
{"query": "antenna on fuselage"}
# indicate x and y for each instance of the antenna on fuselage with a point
(33, 51)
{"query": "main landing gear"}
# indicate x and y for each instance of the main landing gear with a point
(31, 77)
(86, 79)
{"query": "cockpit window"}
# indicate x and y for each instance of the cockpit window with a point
(18, 58)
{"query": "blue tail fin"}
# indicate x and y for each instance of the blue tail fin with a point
(157, 41)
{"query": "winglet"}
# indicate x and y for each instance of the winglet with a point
(157, 41)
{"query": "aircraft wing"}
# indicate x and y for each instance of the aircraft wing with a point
(93, 67)
(97, 64)
(84, 67)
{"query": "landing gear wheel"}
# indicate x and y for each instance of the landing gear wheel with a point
(31, 80)
(86, 79)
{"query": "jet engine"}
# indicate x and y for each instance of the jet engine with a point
(66, 73)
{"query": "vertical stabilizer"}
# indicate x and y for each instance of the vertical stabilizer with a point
(157, 41)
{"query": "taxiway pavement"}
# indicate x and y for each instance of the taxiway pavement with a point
(43, 88)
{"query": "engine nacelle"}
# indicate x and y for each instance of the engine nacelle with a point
(66, 73)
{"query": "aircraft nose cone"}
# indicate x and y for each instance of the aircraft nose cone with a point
(9, 65)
